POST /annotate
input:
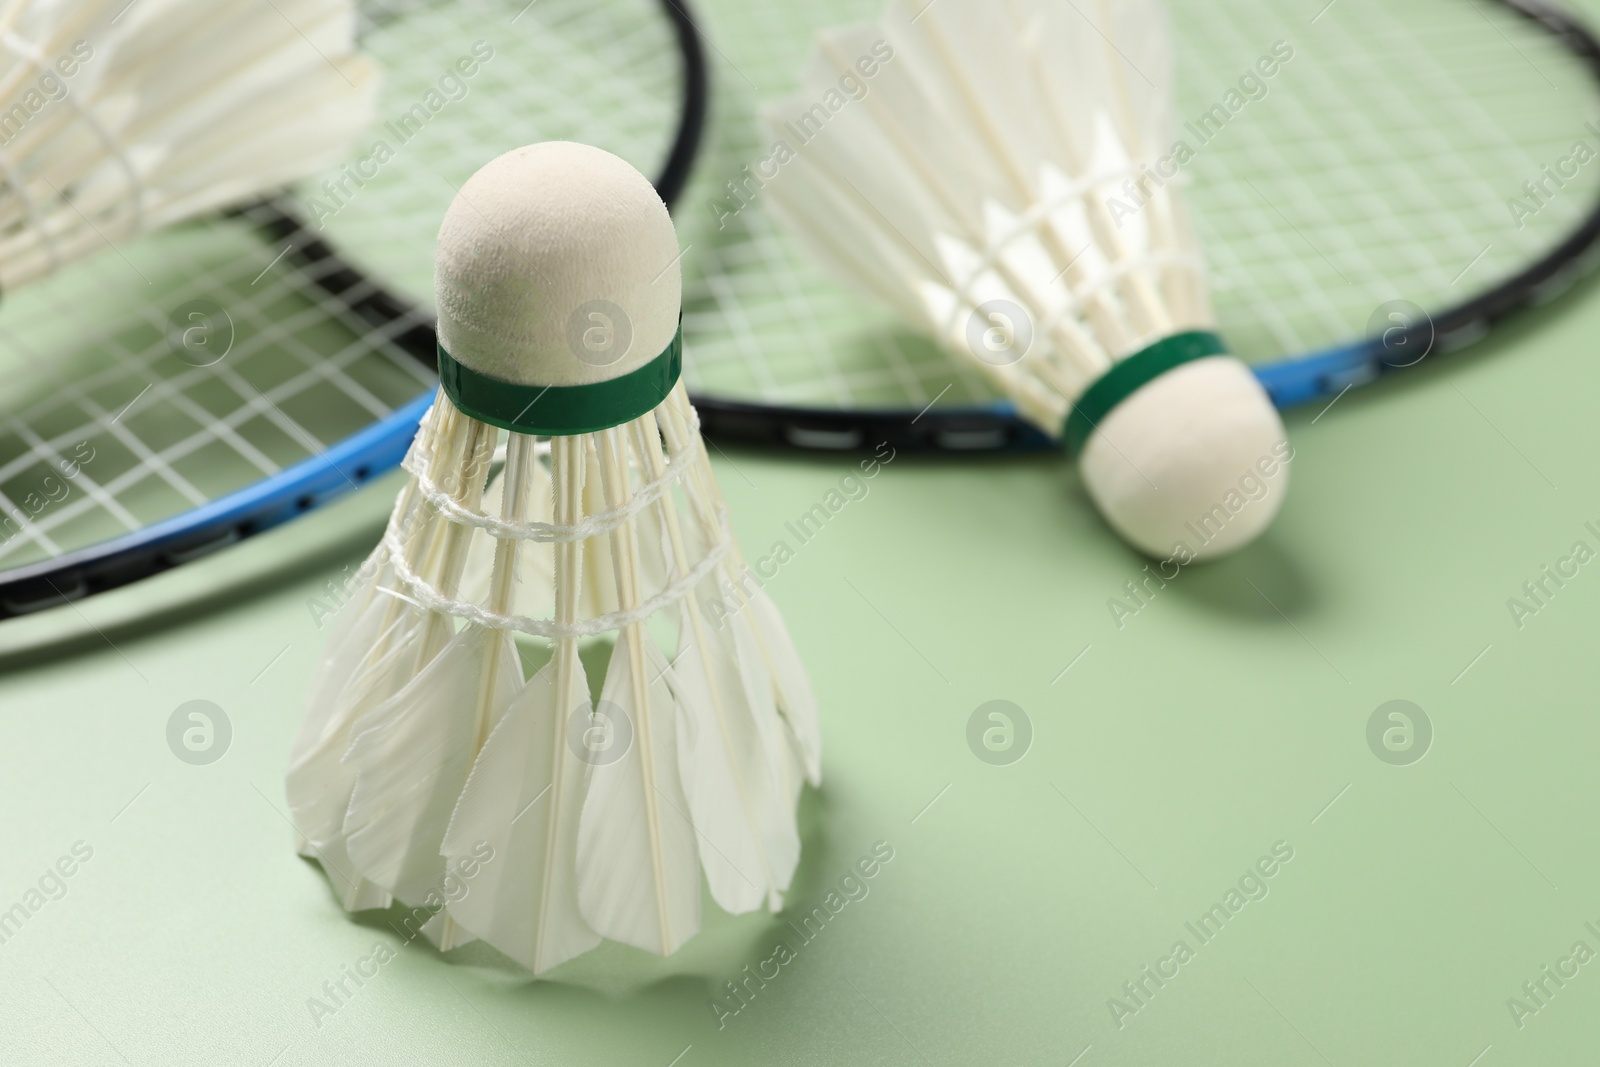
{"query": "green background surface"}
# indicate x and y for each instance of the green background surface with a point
(1167, 756)
(1223, 718)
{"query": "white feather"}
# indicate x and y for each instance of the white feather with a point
(962, 131)
(411, 756)
(171, 108)
(737, 798)
(795, 698)
(1010, 166)
(344, 665)
(358, 672)
(638, 866)
(381, 642)
(521, 800)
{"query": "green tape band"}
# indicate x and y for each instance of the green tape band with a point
(562, 410)
(1131, 375)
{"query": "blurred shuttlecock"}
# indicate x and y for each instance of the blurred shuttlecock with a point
(425, 759)
(119, 118)
(1004, 173)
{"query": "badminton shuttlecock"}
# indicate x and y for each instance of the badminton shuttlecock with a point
(119, 118)
(427, 770)
(1002, 173)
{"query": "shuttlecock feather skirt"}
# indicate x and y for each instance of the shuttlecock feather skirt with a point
(122, 118)
(454, 729)
(1011, 182)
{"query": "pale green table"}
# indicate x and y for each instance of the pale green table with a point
(1229, 715)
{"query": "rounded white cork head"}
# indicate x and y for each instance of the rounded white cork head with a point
(557, 266)
(1193, 465)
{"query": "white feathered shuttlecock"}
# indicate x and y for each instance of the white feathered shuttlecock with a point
(1002, 173)
(424, 749)
(120, 118)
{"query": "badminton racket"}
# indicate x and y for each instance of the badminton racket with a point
(1405, 180)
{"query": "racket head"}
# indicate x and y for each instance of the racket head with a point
(1374, 170)
(225, 376)
(1350, 167)
(1353, 171)
(152, 383)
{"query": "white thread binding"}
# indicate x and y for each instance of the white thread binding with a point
(430, 598)
(543, 532)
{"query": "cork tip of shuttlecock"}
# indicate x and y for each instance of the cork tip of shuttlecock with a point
(1192, 466)
(557, 266)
